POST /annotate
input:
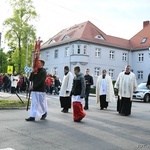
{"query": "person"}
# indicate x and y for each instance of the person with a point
(6, 83)
(78, 93)
(104, 90)
(65, 90)
(38, 93)
(1, 81)
(89, 82)
(14, 81)
(148, 82)
(48, 82)
(126, 84)
(56, 85)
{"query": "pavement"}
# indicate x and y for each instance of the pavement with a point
(99, 130)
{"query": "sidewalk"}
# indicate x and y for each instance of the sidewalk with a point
(10, 96)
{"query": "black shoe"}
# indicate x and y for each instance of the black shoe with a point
(44, 116)
(63, 110)
(30, 119)
(78, 120)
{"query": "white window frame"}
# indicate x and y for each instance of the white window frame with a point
(97, 71)
(112, 54)
(111, 73)
(55, 71)
(79, 49)
(73, 52)
(139, 74)
(47, 55)
(85, 49)
(66, 51)
(56, 53)
(97, 52)
(140, 57)
(124, 57)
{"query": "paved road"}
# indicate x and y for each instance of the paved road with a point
(100, 130)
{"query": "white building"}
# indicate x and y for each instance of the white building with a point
(87, 46)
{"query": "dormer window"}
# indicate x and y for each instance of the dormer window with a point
(99, 37)
(143, 40)
(65, 37)
(52, 41)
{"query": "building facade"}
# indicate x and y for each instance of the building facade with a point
(87, 46)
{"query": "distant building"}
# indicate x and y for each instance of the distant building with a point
(86, 45)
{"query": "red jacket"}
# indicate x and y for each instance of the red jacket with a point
(48, 81)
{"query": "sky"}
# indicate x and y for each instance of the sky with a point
(120, 18)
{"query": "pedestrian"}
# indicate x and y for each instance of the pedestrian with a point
(88, 83)
(148, 82)
(6, 83)
(49, 83)
(14, 81)
(78, 93)
(126, 84)
(38, 93)
(104, 90)
(56, 85)
(65, 90)
(1, 81)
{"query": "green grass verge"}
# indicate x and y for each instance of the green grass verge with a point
(12, 104)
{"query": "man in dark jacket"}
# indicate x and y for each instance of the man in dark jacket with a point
(38, 93)
(89, 82)
(78, 93)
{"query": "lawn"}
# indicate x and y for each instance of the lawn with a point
(12, 104)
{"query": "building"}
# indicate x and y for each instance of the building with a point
(86, 45)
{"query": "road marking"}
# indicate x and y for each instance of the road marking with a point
(7, 149)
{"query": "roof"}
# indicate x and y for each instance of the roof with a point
(88, 32)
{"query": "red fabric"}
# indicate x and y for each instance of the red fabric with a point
(78, 111)
(49, 81)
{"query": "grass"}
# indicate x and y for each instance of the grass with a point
(12, 104)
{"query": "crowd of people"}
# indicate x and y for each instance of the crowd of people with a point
(73, 90)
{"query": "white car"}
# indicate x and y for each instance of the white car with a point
(142, 93)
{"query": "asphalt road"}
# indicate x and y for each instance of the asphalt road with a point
(99, 130)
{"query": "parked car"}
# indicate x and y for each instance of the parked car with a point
(142, 93)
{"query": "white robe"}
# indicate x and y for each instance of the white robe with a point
(66, 85)
(14, 81)
(110, 96)
(126, 85)
(38, 104)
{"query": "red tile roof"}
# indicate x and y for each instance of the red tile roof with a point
(87, 31)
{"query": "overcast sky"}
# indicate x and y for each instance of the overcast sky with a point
(121, 18)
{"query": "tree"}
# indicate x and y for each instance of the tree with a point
(20, 32)
(3, 62)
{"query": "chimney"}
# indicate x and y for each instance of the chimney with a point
(146, 23)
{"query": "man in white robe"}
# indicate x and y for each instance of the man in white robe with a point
(104, 90)
(126, 84)
(38, 94)
(65, 90)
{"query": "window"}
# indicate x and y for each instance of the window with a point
(47, 55)
(55, 71)
(84, 49)
(140, 57)
(56, 53)
(97, 71)
(140, 74)
(111, 73)
(99, 37)
(73, 49)
(112, 55)
(79, 49)
(144, 40)
(97, 52)
(67, 51)
(65, 37)
(124, 57)
(52, 41)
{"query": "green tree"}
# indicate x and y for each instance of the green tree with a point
(21, 33)
(3, 62)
